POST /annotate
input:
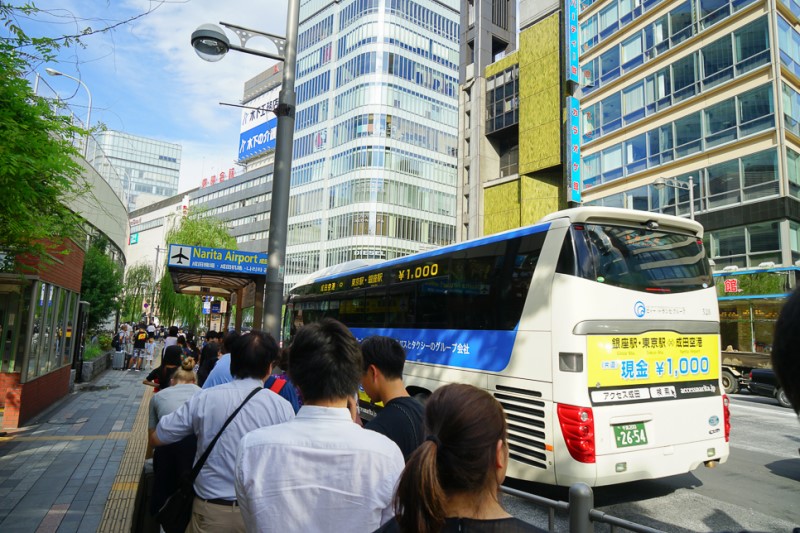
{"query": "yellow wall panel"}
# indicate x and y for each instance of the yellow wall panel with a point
(501, 65)
(540, 113)
(501, 207)
(540, 196)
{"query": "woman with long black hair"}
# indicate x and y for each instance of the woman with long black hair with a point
(452, 480)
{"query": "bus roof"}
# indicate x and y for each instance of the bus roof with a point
(591, 214)
(598, 215)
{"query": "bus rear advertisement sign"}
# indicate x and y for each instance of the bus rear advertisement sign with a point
(654, 366)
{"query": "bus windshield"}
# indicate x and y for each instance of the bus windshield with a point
(636, 258)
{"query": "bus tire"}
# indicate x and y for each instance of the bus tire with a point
(729, 382)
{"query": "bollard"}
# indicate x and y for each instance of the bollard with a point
(581, 502)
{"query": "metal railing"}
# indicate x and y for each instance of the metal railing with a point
(580, 508)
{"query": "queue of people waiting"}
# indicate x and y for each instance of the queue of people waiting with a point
(289, 452)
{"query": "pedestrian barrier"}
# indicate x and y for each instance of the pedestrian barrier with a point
(582, 515)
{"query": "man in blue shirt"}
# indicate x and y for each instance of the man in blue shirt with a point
(222, 374)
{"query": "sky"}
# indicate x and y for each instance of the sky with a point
(145, 78)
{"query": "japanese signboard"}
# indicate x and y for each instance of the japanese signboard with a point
(574, 149)
(259, 125)
(571, 34)
(217, 259)
(654, 366)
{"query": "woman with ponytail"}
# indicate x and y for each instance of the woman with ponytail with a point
(452, 481)
(171, 462)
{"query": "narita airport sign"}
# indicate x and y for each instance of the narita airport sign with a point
(216, 259)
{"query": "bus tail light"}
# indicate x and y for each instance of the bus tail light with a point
(577, 426)
(726, 412)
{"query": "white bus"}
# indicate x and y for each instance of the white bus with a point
(597, 329)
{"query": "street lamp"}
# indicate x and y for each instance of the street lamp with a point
(211, 43)
(660, 183)
(54, 72)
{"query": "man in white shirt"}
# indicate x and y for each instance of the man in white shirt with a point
(215, 507)
(320, 471)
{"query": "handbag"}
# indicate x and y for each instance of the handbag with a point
(176, 512)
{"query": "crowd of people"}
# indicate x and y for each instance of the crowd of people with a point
(294, 455)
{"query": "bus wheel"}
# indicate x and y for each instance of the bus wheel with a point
(729, 383)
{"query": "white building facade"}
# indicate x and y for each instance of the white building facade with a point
(374, 168)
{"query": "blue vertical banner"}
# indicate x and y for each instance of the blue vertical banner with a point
(571, 33)
(574, 148)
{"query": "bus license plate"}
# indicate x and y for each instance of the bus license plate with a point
(630, 435)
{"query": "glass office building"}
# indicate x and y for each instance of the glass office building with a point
(707, 89)
(148, 169)
(374, 170)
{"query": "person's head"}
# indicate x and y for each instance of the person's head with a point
(228, 341)
(142, 326)
(384, 359)
(173, 331)
(785, 345)
(283, 359)
(193, 346)
(211, 335)
(466, 452)
(325, 361)
(181, 340)
(253, 355)
(151, 340)
(172, 356)
(185, 374)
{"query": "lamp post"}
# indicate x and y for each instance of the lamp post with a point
(660, 183)
(211, 43)
(54, 72)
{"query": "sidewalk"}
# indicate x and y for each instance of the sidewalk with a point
(76, 467)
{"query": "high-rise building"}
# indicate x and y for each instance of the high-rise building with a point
(511, 101)
(374, 170)
(705, 92)
(147, 168)
(678, 99)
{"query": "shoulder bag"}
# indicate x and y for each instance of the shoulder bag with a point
(176, 512)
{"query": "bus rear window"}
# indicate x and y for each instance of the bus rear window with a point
(636, 258)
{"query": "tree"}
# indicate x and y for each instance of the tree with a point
(196, 229)
(138, 282)
(40, 174)
(102, 282)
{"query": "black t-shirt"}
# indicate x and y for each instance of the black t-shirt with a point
(401, 420)
(471, 525)
(140, 339)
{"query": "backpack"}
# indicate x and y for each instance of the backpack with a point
(277, 385)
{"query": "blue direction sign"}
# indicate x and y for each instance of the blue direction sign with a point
(216, 259)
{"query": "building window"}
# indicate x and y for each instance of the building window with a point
(793, 171)
(791, 109)
(502, 100)
(509, 162)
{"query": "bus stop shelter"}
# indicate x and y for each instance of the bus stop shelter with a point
(221, 273)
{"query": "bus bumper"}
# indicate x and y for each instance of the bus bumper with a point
(653, 463)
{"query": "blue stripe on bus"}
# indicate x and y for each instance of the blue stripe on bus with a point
(500, 237)
(488, 350)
